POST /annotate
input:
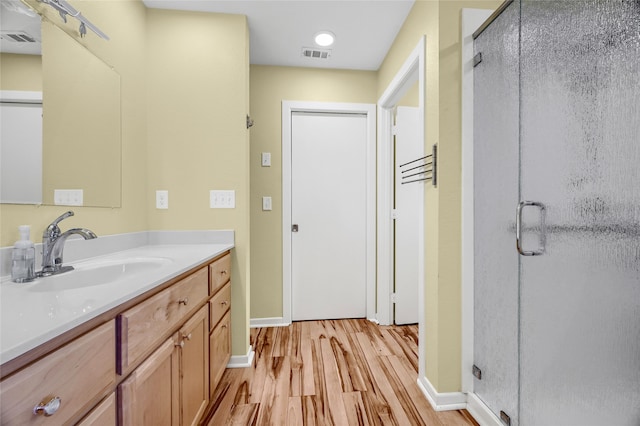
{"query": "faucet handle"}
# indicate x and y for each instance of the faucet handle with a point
(53, 229)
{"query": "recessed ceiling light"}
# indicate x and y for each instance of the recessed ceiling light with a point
(324, 38)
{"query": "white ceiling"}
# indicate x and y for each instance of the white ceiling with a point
(17, 18)
(364, 29)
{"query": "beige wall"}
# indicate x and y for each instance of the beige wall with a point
(269, 87)
(124, 22)
(440, 22)
(197, 138)
(20, 72)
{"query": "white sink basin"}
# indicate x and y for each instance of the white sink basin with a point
(99, 273)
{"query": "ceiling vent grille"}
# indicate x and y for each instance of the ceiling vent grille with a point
(17, 37)
(309, 52)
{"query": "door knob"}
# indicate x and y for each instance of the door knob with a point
(294, 227)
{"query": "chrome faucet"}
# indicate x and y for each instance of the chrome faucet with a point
(53, 245)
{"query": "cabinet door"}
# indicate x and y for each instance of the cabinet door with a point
(103, 415)
(194, 367)
(220, 351)
(149, 396)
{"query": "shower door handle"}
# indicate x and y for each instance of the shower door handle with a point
(519, 209)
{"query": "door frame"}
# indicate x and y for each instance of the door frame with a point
(411, 71)
(288, 108)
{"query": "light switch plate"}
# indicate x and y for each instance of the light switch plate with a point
(222, 199)
(266, 159)
(266, 203)
(162, 199)
(68, 197)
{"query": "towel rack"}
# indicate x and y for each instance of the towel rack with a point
(429, 164)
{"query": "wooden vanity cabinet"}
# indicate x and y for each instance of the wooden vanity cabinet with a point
(155, 362)
(173, 385)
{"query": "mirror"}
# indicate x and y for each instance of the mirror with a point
(80, 139)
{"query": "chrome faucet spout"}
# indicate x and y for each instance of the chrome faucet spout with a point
(53, 245)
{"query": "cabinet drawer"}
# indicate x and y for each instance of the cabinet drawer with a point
(220, 273)
(143, 327)
(219, 304)
(77, 373)
(219, 351)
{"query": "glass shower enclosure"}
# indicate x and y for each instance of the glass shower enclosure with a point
(557, 213)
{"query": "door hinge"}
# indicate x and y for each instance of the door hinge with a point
(505, 418)
(394, 214)
(477, 59)
(394, 299)
(477, 372)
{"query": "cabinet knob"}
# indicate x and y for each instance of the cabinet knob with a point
(224, 302)
(183, 301)
(224, 325)
(186, 336)
(48, 408)
(223, 272)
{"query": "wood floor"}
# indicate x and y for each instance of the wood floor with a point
(345, 372)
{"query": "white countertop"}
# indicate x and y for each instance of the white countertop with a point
(33, 313)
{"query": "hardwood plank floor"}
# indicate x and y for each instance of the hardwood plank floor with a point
(329, 373)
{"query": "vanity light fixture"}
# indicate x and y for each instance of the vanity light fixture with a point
(65, 9)
(324, 38)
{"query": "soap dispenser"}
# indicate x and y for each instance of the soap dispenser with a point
(23, 258)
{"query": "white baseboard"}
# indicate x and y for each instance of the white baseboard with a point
(268, 322)
(242, 361)
(480, 412)
(442, 401)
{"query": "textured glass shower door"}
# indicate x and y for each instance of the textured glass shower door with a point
(496, 150)
(580, 157)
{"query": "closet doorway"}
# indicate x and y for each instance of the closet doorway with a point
(411, 73)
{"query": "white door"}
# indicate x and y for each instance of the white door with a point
(328, 207)
(409, 199)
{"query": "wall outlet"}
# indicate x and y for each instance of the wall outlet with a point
(68, 197)
(266, 159)
(225, 199)
(162, 199)
(266, 204)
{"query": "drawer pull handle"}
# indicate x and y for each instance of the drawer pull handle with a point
(224, 302)
(186, 336)
(183, 301)
(48, 408)
(223, 272)
(224, 326)
(181, 344)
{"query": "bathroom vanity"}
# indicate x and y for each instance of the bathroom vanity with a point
(147, 346)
